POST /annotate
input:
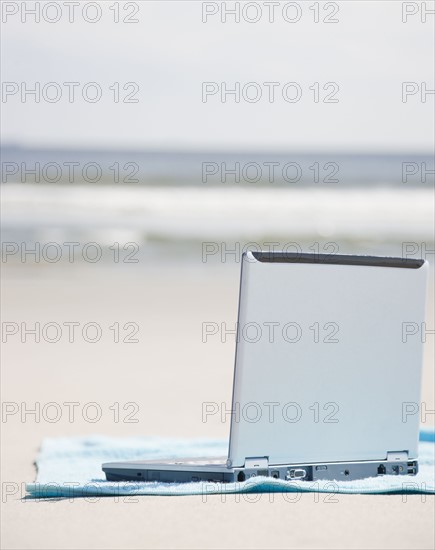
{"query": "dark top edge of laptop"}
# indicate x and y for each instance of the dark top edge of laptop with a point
(337, 259)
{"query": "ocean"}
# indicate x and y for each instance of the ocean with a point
(191, 204)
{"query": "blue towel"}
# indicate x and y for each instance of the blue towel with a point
(71, 467)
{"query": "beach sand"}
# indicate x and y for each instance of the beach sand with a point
(169, 373)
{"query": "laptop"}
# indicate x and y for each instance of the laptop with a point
(327, 377)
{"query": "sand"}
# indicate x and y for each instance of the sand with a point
(169, 373)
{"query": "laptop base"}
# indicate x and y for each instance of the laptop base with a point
(191, 470)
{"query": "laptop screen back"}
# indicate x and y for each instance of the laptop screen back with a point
(329, 358)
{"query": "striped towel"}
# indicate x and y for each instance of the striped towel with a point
(71, 467)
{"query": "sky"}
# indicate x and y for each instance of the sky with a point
(338, 86)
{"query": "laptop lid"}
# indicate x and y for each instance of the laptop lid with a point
(328, 358)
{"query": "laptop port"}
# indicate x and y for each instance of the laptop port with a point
(241, 476)
(298, 473)
(275, 474)
(381, 470)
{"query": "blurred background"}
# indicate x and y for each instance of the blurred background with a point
(145, 145)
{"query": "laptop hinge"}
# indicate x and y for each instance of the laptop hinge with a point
(397, 456)
(257, 462)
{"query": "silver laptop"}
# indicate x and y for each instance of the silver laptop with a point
(327, 373)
